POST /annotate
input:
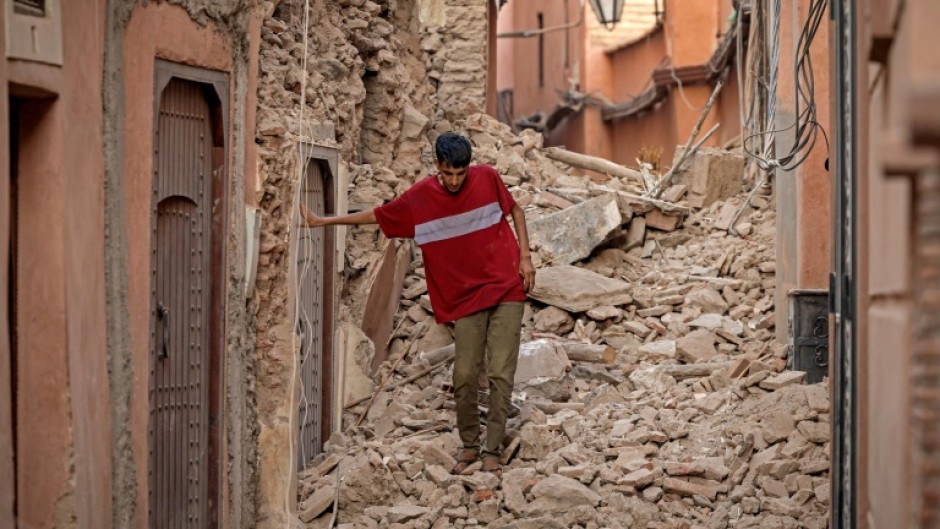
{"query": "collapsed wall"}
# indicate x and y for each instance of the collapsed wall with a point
(650, 391)
(368, 80)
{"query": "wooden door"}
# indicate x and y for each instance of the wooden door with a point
(181, 282)
(311, 254)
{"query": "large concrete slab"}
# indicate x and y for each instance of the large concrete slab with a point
(572, 234)
(578, 290)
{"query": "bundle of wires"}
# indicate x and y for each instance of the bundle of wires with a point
(806, 125)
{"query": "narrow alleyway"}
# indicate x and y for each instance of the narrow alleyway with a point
(650, 393)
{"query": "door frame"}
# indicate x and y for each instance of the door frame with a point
(216, 84)
(843, 280)
(328, 158)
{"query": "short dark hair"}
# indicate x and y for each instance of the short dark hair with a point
(453, 149)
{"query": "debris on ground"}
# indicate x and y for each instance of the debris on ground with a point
(651, 392)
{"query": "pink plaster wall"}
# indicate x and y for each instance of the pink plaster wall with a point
(44, 437)
(728, 108)
(633, 65)
(690, 33)
(529, 96)
(814, 185)
(83, 230)
(691, 30)
(505, 49)
(63, 431)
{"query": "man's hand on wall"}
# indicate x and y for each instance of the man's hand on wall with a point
(311, 219)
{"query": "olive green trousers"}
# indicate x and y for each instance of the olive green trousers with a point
(495, 332)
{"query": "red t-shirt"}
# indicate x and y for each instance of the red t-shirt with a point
(471, 257)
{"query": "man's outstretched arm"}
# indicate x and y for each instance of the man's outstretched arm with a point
(312, 220)
(526, 270)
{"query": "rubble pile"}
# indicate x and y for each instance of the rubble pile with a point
(650, 392)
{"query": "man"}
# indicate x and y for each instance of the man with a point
(477, 277)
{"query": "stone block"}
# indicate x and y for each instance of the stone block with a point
(572, 234)
(687, 488)
(708, 299)
(553, 320)
(784, 379)
(658, 350)
(578, 290)
(636, 233)
(697, 346)
(558, 494)
(541, 358)
(315, 505)
(713, 174)
(661, 221)
(403, 513)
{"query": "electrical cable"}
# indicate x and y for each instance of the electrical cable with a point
(294, 216)
(806, 125)
(672, 68)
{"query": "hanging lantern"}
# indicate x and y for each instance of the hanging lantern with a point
(608, 12)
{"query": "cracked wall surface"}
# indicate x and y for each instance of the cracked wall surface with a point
(377, 82)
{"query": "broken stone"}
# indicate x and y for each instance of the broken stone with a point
(315, 505)
(604, 312)
(578, 290)
(558, 494)
(413, 123)
(658, 310)
(661, 221)
(726, 216)
(784, 379)
(636, 233)
(778, 426)
(541, 358)
(707, 321)
(639, 478)
(637, 328)
(549, 199)
(708, 299)
(687, 488)
(697, 346)
(817, 396)
(439, 475)
(713, 174)
(436, 337)
(553, 320)
(571, 234)
(403, 513)
(434, 454)
(815, 432)
(711, 403)
(652, 494)
(659, 350)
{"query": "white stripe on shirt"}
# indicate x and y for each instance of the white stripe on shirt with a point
(458, 225)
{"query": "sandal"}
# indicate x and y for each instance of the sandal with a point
(492, 464)
(465, 458)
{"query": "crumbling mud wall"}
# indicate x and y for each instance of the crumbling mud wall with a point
(376, 81)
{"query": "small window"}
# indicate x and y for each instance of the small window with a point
(36, 8)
